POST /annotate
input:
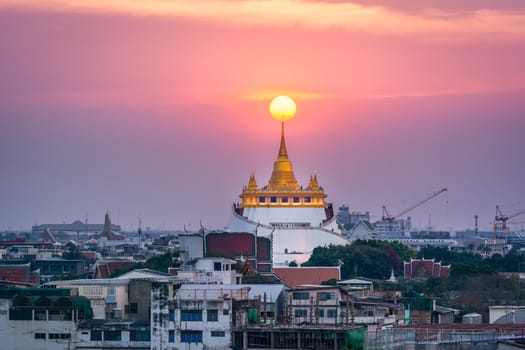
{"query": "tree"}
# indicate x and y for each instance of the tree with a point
(372, 258)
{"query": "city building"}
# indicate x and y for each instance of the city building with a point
(126, 297)
(75, 228)
(211, 271)
(106, 335)
(336, 306)
(424, 269)
(196, 315)
(41, 318)
(362, 229)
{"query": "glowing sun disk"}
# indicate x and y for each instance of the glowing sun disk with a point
(283, 108)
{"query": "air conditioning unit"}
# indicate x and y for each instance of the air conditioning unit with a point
(117, 314)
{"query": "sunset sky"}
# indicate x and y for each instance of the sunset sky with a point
(159, 109)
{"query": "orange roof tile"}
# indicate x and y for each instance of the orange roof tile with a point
(298, 276)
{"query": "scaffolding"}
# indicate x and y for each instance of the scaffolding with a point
(442, 339)
(317, 338)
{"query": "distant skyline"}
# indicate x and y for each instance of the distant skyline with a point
(159, 109)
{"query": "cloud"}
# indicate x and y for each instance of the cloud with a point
(310, 14)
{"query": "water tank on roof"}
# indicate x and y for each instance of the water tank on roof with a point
(472, 318)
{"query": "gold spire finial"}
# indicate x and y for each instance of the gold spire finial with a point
(282, 149)
(283, 177)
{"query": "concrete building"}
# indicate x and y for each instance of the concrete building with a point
(37, 318)
(211, 271)
(197, 314)
(104, 335)
(126, 297)
(362, 229)
(334, 306)
(507, 314)
(75, 228)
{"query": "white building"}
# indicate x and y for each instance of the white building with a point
(297, 219)
(211, 271)
(33, 319)
(199, 315)
(120, 298)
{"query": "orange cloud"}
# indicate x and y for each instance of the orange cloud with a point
(314, 14)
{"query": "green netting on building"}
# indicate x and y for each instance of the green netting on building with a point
(84, 305)
(7, 293)
(355, 339)
(20, 314)
(253, 316)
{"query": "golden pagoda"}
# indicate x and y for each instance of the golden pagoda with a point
(282, 189)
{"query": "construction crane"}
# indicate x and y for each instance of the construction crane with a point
(390, 218)
(501, 220)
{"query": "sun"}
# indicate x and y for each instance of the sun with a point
(283, 108)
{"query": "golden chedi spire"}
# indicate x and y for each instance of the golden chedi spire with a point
(313, 185)
(283, 178)
(252, 184)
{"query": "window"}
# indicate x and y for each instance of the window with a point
(218, 333)
(296, 199)
(300, 296)
(171, 336)
(273, 199)
(307, 199)
(133, 308)
(191, 336)
(191, 315)
(331, 313)
(112, 335)
(217, 266)
(320, 313)
(140, 335)
(226, 312)
(326, 296)
(284, 200)
(57, 336)
(96, 335)
(262, 199)
(300, 312)
(40, 336)
(171, 315)
(213, 315)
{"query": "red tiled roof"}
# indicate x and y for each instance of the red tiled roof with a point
(90, 255)
(18, 274)
(425, 268)
(298, 276)
(105, 270)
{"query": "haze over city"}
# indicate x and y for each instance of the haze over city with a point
(159, 109)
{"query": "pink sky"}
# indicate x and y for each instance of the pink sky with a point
(160, 108)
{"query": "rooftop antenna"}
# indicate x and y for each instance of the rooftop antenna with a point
(140, 230)
(86, 227)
